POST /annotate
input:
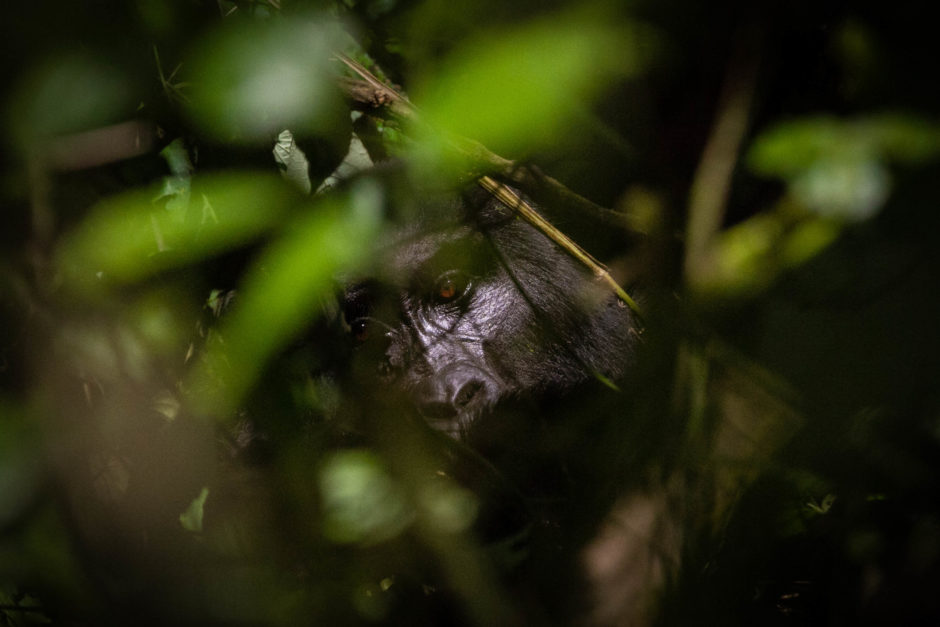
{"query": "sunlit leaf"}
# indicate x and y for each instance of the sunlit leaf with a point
(362, 503)
(131, 236)
(281, 291)
(514, 89)
(252, 80)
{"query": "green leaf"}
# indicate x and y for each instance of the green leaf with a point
(130, 237)
(292, 161)
(177, 186)
(281, 291)
(515, 89)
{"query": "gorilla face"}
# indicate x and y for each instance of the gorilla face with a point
(467, 314)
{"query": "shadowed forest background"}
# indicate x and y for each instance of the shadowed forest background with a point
(187, 186)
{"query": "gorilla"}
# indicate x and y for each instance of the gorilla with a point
(472, 307)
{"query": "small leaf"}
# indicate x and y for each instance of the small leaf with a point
(292, 161)
(176, 186)
(191, 519)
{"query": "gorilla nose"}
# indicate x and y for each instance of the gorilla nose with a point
(448, 396)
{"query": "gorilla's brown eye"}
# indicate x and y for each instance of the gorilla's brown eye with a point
(450, 287)
(447, 289)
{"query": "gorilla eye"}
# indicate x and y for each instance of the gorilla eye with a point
(450, 286)
(360, 329)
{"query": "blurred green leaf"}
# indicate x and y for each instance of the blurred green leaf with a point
(280, 293)
(789, 149)
(20, 465)
(68, 94)
(514, 89)
(752, 254)
(362, 503)
(250, 80)
(129, 237)
(839, 167)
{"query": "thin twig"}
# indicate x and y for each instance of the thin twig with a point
(511, 199)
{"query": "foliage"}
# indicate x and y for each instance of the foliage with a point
(181, 439)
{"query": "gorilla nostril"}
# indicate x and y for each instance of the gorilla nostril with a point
(467, 393)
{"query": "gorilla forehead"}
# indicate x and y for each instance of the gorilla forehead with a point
(416, 255)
